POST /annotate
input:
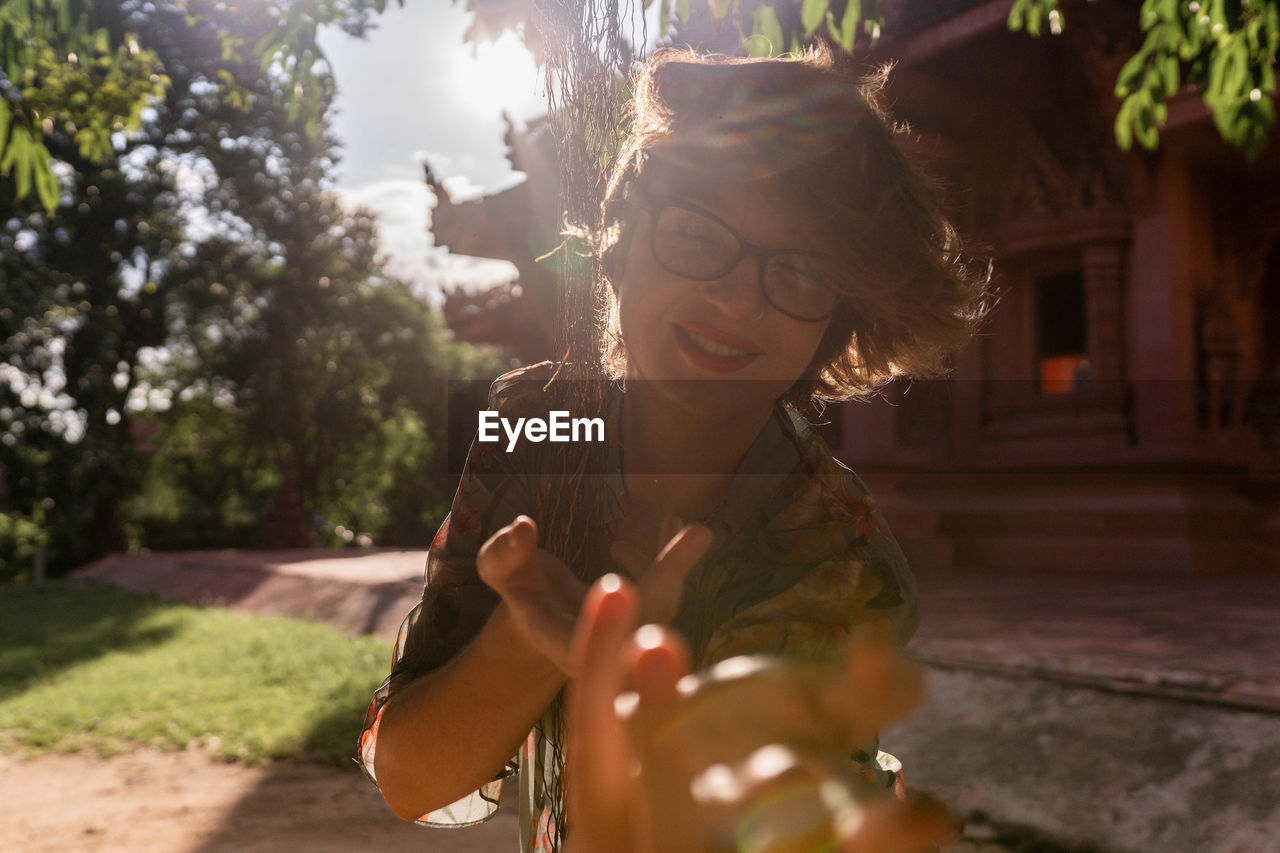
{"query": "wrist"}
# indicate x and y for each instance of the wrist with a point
(506, 636)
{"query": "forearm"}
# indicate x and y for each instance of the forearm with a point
(451, 731)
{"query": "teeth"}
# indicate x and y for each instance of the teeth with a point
(713, 347)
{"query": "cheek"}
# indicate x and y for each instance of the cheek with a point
(805, 343)
(639, 313)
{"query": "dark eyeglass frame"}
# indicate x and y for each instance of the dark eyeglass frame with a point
(655, 204)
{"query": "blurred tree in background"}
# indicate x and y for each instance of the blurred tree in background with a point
(198, 283)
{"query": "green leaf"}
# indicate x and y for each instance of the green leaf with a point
(4, 123)
(719, 9)
(1149, 137)
(1131, 71)
(47, 188)
(1238, 70)
(23, 166)
(683, 11)
(812, 14)
(1017, 16)
(17, 140)
(261, 49)
(1124, 126)
(1169, 74)
(766, 26)
(849, 25)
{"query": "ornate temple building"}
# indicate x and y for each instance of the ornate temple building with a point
(1121, 411)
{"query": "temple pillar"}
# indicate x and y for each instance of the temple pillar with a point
(1104, 278)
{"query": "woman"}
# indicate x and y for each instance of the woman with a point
(763, 242)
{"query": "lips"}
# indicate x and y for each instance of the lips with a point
(713, 349)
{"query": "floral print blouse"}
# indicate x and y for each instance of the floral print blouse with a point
(801, 558)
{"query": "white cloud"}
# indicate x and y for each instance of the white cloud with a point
(403, 208)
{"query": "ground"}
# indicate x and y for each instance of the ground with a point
(182, 802)
(1122, 713)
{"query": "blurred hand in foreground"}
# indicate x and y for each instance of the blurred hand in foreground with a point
(751, 757)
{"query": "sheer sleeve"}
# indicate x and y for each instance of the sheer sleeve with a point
(455, 604)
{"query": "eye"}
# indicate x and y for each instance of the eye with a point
(691, 230)
(797, 274)
(692, 245)
(802, 285)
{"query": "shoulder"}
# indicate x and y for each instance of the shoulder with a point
(827, 493)
(521, 389)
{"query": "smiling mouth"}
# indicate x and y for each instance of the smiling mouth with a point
(714, 355)
(714, 347)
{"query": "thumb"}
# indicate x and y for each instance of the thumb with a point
(501, 557)
(663, 582)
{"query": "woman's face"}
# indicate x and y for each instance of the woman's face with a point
(675, 328)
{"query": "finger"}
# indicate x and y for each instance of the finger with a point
(792, 801)
(670, 526)
(667, 818)
(886, 825)
(662, 583)
(598, 758)
(799, 805)
(501, 557)
(630, 558)
(880, 684)
(657, 659)
(607, 619)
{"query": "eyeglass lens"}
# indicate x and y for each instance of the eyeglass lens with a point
(694, 246)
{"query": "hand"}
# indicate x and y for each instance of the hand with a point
(750, 756)
(545, 596)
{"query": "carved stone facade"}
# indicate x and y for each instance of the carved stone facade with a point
(1120, 411)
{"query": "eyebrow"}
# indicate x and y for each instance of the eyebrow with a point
(708, 196)
(693, 189)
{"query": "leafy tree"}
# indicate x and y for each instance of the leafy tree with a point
(1225, 48)
(206, 265)
(77, 306)
(90, 68)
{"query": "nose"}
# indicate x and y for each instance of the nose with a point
(737, 292)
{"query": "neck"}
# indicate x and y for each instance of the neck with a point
(681, 458)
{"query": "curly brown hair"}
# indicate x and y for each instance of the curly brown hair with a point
(805, 127)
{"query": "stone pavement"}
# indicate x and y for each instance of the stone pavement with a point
(1096, 711)
(1135, 713)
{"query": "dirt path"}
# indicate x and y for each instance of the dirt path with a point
(183, 802)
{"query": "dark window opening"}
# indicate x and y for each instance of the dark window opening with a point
(1063, 340)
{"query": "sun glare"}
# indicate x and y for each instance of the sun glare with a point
(501, 76)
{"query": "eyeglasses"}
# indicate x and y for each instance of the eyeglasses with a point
(695, 244)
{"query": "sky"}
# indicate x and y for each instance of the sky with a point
(412, 90)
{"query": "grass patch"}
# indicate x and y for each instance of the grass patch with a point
(84, 666)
